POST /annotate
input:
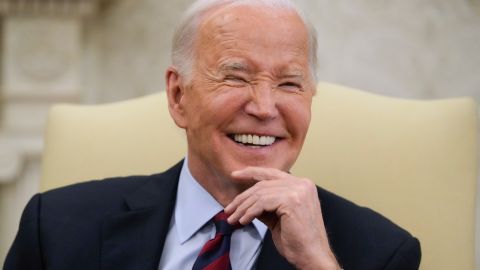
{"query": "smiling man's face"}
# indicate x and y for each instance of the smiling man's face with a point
(248, 102)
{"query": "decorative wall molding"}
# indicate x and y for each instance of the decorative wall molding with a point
(14, 153)
(41, 56)
(42, 60)
(49, 7)
(10, 163)
(41, 64)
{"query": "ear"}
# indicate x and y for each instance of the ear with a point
(175, 94)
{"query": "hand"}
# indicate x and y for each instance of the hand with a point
(289, 206)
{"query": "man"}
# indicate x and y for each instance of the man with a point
(241, 85)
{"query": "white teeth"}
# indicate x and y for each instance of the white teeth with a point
(263, 140)
(254, 139)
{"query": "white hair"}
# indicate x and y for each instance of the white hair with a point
(183, 53)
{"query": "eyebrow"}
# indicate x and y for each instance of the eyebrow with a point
(234, 66)
(293, 74)
(243, 67)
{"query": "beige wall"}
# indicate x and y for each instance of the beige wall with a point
(128, 48)
(413, 48)
(405, 48)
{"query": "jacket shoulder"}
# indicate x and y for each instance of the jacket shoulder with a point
(107, 194)
(64, 225)
(364, 239)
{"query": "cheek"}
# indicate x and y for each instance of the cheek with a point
(297, 116)
(214, 108)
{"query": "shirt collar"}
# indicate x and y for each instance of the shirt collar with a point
(195, 207)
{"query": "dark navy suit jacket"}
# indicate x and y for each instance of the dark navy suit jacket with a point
(121, 223)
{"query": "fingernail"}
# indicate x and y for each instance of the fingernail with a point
(235, 173)
(241, 221)
(228, 208)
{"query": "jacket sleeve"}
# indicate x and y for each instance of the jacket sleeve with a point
(406, 257)
(25, 252)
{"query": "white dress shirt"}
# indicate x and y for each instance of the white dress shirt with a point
(191, 227)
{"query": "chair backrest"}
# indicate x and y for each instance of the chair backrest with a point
(131, 137)
(413, 161)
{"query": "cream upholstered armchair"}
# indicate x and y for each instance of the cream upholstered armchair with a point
(413, 161)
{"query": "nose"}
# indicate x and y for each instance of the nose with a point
(262, 104)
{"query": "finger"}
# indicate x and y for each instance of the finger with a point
(264, 185)
(267, 203)
(242, 208)
(253, 212)
(232, 206)
(257, 203)
(261, 196)
(258, 173)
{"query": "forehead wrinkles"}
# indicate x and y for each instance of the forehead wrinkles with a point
(259, 26)
(238, 65)
(244, 31)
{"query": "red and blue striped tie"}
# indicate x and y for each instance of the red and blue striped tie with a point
(215, 253)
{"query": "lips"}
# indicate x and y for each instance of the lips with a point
(253, 139)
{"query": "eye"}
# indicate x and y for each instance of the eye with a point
(235, 80)
(290, 86)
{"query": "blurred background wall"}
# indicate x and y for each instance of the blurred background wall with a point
(93, 51)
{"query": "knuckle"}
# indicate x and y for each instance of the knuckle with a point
(307, 185)
(257, 196)
(251, 212)
(262, 199)
(295, 198)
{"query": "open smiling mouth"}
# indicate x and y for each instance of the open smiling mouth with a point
(253, 141)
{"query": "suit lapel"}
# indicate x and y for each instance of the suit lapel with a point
(269, 257)
(135, 239)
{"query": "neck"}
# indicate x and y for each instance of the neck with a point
(222, 188)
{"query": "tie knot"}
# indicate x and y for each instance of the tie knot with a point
(222, 226)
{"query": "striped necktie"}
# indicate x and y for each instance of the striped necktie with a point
(215, 253)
